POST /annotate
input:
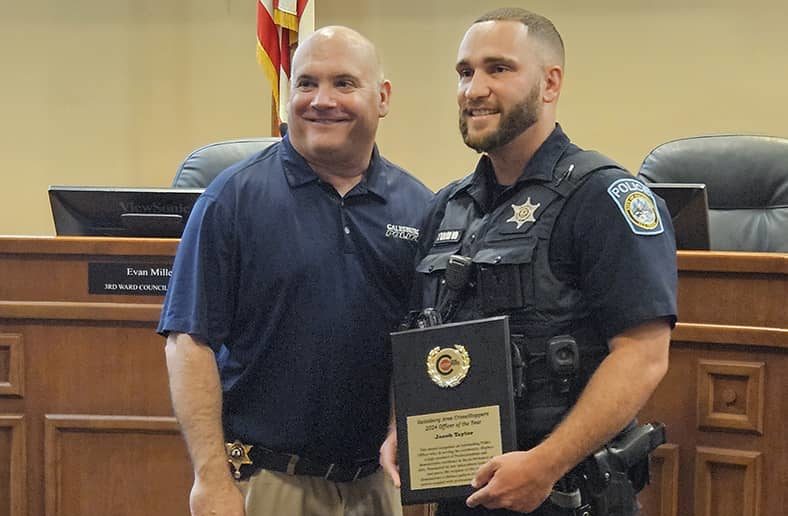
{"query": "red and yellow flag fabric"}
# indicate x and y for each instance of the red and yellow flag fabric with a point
(281, 24)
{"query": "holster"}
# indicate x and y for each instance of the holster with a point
(612, 477)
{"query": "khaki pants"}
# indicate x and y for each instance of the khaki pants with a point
(269, 493)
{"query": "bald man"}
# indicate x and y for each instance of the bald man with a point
(578, 253)
(293, 268)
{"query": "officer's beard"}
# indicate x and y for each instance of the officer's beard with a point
(514, 122)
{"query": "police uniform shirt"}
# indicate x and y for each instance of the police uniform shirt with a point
(296, 288)
(627, 274)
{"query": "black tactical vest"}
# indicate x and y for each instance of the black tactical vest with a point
(509, 247)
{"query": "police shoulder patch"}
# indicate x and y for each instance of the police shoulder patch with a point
(638, 205)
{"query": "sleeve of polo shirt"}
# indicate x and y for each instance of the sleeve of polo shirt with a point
(200, 297)
(629, 278)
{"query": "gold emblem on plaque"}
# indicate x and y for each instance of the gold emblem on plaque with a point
(237, 455)
(447, 367)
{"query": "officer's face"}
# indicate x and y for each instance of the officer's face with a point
(499, 92)
(336, 100)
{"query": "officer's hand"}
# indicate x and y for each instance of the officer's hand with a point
(388, 456)
(516, 481)
(221, 498)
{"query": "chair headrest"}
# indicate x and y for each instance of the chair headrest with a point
(204, 164)
(740, 171)
(746, 181)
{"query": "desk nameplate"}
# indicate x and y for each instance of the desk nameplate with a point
(128, 279)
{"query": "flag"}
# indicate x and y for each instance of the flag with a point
(281, 24)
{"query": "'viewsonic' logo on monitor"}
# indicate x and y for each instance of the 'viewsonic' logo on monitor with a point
(155, 207)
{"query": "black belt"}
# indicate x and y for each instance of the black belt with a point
(246, 459)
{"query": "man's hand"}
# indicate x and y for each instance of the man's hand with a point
(388, 456)
(519, 481)
(216, 499)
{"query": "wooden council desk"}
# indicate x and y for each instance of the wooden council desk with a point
(86, 425)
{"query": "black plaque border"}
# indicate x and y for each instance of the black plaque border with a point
(489, 382)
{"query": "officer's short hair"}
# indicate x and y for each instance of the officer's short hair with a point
(539, 27)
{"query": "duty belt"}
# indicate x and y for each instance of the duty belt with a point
(246, 459)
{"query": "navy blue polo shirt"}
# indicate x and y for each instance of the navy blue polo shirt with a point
(296, 288)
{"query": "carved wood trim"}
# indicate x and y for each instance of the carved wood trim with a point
(14, 383)
(720, 261)
(55, 425)
(750, 463)
(86, 246)
(733, 335)
(18, 464)
(77, 311)
(731, 395)
(667, 456)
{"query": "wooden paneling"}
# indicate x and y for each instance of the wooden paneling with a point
(734, 336)
(661, 495)
(109, 368)
(74, 311)
(86, 375)
(737, 289)
(123, 466)
(13, 466)
(88, 354)
(725, 387)
(12, 365)
(46, 270)
(730, 395)
(727, 482)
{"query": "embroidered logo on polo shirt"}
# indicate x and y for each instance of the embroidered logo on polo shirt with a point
(638, 205)
(524, 213)
(402, 232)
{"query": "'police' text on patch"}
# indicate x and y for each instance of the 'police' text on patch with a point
(638, 205)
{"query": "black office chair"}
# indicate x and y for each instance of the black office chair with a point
(204, 164)
(746, 179)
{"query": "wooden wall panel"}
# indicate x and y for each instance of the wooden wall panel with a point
(12, 365)
(676, 404)
(119, 466)
(101, 367)
(746, 300)
(730, 395)
(63, 262)
(86, 367)
(661, 495)
(738, 289)
(727, 482)
(73, 353)
(13, 466)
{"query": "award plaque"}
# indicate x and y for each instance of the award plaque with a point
(454, 401)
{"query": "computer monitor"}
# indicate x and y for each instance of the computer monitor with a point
(688, 205)
(121, 212)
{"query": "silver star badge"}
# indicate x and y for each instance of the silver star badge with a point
(523, 213)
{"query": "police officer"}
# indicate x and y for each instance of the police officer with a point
(576, 251)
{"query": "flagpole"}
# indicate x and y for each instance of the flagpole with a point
(274, 118)
(280, 25)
